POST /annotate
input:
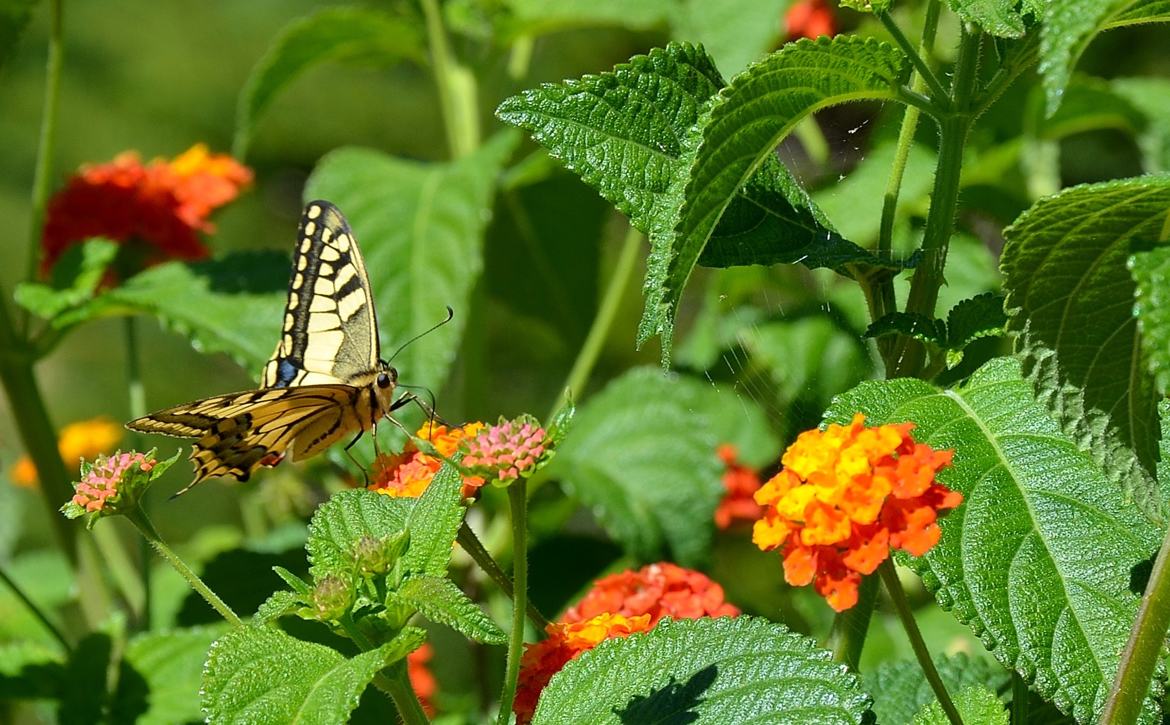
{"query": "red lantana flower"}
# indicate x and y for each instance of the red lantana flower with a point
(161, 206)
(741, 483)
(810, 19)
(844, 497)
(658, 590)
(566, 641)
(408, 474)
(422, 681)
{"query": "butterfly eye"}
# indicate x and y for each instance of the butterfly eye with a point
(384, 380)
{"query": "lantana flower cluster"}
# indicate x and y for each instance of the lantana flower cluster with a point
(407, 474)
(616, 606)
(508, 450)
(161, 205)
(113, 484)
(844, 497)
(740, 484)
(83, 439)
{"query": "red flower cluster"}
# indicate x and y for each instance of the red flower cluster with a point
(618, 605)
(101, 482)
(408, 474)
(741, 482)
(845, 496)
(422, 681)
(810, 19)
(163, 206)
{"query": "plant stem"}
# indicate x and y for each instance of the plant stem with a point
(898, 595)
(46, 145)
(142, 522)
(455, 84)
(847, 635)
(36, 611)
(924, 71)
(397, 685)
(518, 503)
(599, 330)
(1142, 652)
(480, 555)
(1020, 705)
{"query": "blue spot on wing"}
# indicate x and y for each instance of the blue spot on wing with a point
(285, 372)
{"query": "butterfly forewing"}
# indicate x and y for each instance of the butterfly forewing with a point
(330, 331)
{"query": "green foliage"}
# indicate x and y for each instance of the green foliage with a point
(434, 521)
(1151, 97)
(1151, 275)
(261, 674)
(352, 35)
(1011, 562)
(421, 227)
(713, 670)
(1003, 18)
(14, 18)
(975, 703)
(345, 519)
(73, 280)
(900, 689)
(1070, 301)
(439, 600)
(170, 664)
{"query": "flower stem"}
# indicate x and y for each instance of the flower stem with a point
(847, 635)
(898, 595)
(455, 84)
(140, 520)
(36, 611)
(518, 500)
(481, 556)
(599, 331)
(1142, 652)
(920, 65)
(397, 685)
(46, 146)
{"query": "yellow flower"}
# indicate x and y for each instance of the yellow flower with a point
(83, 439)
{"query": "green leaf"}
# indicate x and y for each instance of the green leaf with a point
(975, 703)
(900, 689)
(642, 457)
(734, 32)
(1068, 26)
(749, 118)
(974, 318)
(171, 665)
(343, 520)
(345, 34)
(74, 279)
(261, 674)
(14, 18)
(918, 327)
(1070, 302)
(1151, 96)
(30, 671)
(1040, 558)
(434, 522)
(1088, 104)
(1151, 275)
(420, 226)
(1001, 18)
(439, 600)
(277, 605)
(740, 669)
(89, 663)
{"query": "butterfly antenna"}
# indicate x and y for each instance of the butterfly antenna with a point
(450, 316)
(430, 411)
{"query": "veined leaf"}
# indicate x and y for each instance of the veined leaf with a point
(335, 34)
(1068, 26)
(420, 227)
(643, 459)
(973, 318)
(975, 703)
(343, 520)
(439, 600)
(1002, 18)
(749, 118)
(740, 669)
(1151, 274)
(261, 674)
(1070, 302)
(1039, 559)
(434, 521)
(900, 689)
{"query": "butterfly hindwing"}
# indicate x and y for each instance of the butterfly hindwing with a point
(330, 331)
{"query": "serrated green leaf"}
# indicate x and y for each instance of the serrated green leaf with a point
(439, 600)
(973, 318)
(231, 305)
(343, 520)
(1151, 274)
(1070, 304)
(434, 522)
(420, 226)
(643, 459)
(277, 605)
(294, 581)
(1039, 558)
(919, 327)
(348, 34)
(749, 118)
(975, 703)
(261, 674)
(900, 689)
(73, 279)
(1001, 18)
(171, 667)
(1068, 26)
(14, 18)
(724, 670)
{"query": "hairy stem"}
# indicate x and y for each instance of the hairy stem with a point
(482, 557)
(518, 503)
(898, 595)
(397, 685)
(920, 65)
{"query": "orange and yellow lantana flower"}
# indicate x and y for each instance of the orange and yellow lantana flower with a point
(408, 474)
(844, 497)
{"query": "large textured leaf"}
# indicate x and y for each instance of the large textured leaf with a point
(900, 689)
(1002, 18)
(975, 703)
(261, 674)
(171, 667)
(343, 520)
(420, 226)
(1070, 301)
(439, 600)
(705, 670)
(334, 34)
(643, 458)
(1069, 25)
(1151, 273)
(1040, 559)
(748, 119)
(433, 523)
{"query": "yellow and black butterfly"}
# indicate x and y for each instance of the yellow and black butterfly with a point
(326, 378)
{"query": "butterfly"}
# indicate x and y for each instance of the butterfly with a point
(325, 379)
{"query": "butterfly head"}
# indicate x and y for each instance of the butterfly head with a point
(387, 376)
